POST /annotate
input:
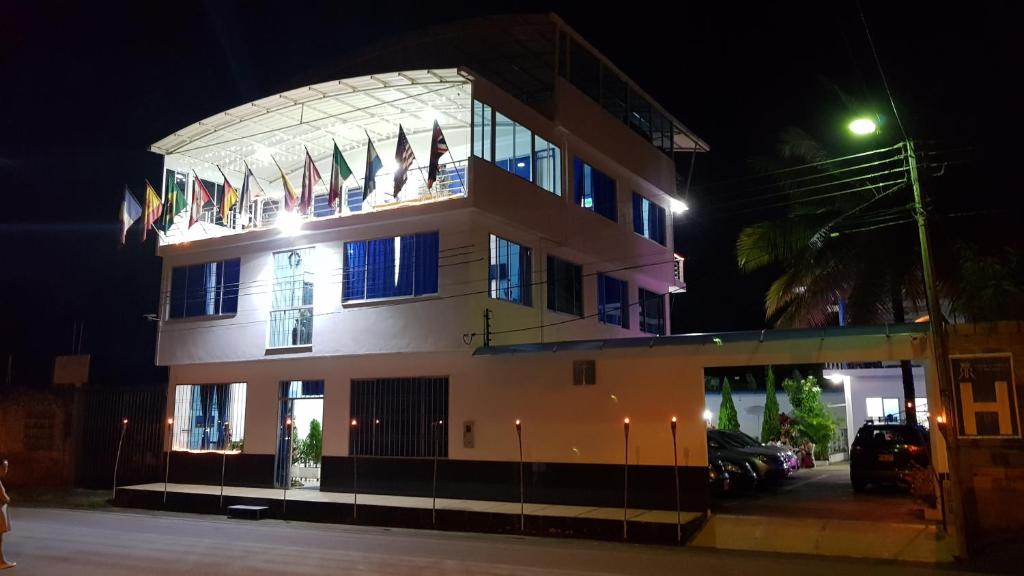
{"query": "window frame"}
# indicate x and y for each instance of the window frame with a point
(602, 304)
(583, 175)
(644, 296)
(237, 414)
(646, 230)
(525, 272)
(414, 271)
(224, 291)
(553, 284)
(301, 308)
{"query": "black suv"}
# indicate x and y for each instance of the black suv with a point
(886, 453)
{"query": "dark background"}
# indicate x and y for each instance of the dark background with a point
(86, 88)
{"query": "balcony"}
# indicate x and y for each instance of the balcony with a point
(678, 278)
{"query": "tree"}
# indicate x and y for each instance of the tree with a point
(826, 260)
(312, 446)
(812, 422)
(771, 427)
(296, 446)
(727, 417)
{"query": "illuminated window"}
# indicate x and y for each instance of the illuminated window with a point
(209, 416)
(510, 273)
(649, 219)
(291, 316)
(390, 267)
(594, 190)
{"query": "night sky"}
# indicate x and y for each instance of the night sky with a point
(86, 88)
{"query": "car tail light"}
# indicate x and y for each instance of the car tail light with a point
(915, 449)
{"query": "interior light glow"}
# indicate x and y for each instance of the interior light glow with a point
(836, 378)
(288, 223)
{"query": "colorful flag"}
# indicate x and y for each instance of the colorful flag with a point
(310, 178)
(373, 165)
(438, 148)
(228, 200)
(152, 209)
(174, 201)
(339, 173)
(200, 196)
(130, 212)
(250, 190)
(403, 160)
(291, 197)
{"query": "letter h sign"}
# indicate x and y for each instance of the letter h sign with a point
(986, 401)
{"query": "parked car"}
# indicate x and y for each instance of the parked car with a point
(767, 464)
(787, 452)
(718, 477)
(887, 453)
(741, 474)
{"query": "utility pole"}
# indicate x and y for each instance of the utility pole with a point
(937, 336)
(487, 328)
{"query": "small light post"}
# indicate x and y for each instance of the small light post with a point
(167, 464)
(354, 427)
(287, 464)
(433, 491)
(117, 458)
(522, 499)
(675, 474)
(224, 462)
(625, 480)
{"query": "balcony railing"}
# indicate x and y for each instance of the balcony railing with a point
(264, 212)
(678, 278)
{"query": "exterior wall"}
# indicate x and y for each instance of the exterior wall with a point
(879, 383)
(35, 436)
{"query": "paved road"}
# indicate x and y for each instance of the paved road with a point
(824, 492)
(85, 543)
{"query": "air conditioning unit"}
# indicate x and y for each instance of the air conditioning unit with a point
(584, 372)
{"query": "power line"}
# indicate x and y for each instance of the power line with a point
(878, 64)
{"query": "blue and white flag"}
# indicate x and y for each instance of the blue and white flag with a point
(131, 210)
(373, 165)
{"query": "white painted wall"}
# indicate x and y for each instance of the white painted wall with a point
(750, 407)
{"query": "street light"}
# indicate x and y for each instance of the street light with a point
(863, 126)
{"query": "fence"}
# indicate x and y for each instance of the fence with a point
(102, 415)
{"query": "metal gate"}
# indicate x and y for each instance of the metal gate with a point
(102, 415)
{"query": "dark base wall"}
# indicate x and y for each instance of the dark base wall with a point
(546, 483)
(249, 470)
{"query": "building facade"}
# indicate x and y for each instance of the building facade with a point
(547, 218)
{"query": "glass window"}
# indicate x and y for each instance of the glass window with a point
(594, 190)
(874, 408)
(512, 143)
(649, 219)
(565, 286)
(584, 70)
(548, 163)
(639, 115)
(390, 267)
(482, 125)
(206, 289)
(652, 312)
(612, 301)
(399, 417)
(892, 410)
(321, 208)
(613, 93)
(510, 274)
(291, 316)
(209, 416)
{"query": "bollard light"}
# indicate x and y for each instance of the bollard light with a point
(674, 424)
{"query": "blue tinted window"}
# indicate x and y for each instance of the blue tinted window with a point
(321, 208)
(354, 199)
(510, 273)
(594, 190)
(612, 301)
(204, 289)
(649, 219)
(391, 267)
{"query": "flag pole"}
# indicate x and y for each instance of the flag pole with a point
(457, 173)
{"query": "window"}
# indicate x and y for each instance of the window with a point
(883, 409)
(399, 417)
(612, 301)
(639, 116)
(451, 180)
(512, 146)
(321, 208)
(921, 409)
(391, 267)
(565, 287)
(511, 272)
(209, 416)
(584, 70)
(291, 316)
(207, 289)
(211, 210)
(648, 219)
(547, 165)
(354, 199)
(594, 190)
(613, 93)
(652, 312)
(483, 122)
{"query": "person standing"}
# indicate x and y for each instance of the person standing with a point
(5, 519)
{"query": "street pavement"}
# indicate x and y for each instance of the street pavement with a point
(48, 541)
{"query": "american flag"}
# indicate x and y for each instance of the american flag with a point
(438, 148)
(403, 160)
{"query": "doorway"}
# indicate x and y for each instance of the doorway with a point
(300, 434)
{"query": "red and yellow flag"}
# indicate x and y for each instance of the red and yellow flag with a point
(228, 200)
(291, 197)
(153, 209)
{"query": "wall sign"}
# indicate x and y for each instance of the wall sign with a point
(986, 399)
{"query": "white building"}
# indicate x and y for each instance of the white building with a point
(550, 221)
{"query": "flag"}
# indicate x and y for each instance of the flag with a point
(310, 178)
(291, 197)
(200, 196)
(403, 160)
(438, 148)
(228, 200)
(152, 210)
(339, 173)
(373, 165)
(174, 201)
(250, 190)
(130, 212)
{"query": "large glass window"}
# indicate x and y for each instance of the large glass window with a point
(612, 301)
(512, 146)
(291, 316)
(652, 312)
(391, 267)
(649, 219)
(565, 286)
(206, 289)
(399, 417)
(594, 190)
(547, 165)
(483, 121)
(510, 273)
(209, 416)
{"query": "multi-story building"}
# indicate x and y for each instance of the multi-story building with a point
(550, 220)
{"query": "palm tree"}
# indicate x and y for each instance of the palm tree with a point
(834, 245)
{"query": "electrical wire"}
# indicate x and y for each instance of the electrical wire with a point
(881, 73)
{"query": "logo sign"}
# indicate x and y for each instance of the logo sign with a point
(986, 399)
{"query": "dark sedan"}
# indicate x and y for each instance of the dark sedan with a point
(767, 463)
(887, 454)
